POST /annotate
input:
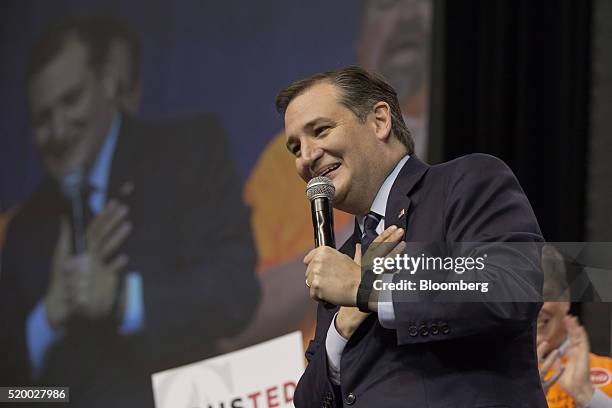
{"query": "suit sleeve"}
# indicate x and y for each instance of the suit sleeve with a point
(213, 291)
(14, 356)
(486, 205)
(315, 388)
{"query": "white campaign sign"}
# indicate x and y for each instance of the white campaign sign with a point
(260, 376)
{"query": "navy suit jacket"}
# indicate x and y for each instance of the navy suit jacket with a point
(190, 242)
(443, 355)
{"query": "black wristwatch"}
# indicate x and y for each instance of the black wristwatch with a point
(365, 290)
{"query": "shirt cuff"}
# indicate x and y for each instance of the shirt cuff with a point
(133, 318)
(386, 312)
(334, 345)
(39, 336)
(600, 400)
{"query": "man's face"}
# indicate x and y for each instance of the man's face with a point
(550, 323)
(327, 139)
(71, 110)
(394, 41)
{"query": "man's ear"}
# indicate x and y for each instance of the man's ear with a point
(382, 120)
(110, 84)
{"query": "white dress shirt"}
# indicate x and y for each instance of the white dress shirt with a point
(334, 342)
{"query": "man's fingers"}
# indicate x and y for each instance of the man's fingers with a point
(384, 247)
(385, 234)
(310, 255)
(548, 362)
(78, 289)
(390, 235)
(575, 332)
(106, 221)
(120, 262)
(542, 350)
(314, 291)
(113, 221)
(398, 249)
(552, 380)
(357, 257)
(76, 265)
(77, 277)
(63, 244)
(110, 245)
(99, 220)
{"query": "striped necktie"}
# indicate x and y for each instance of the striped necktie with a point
(370, 223)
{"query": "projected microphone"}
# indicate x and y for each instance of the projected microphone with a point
(72, 187)
(320, 191)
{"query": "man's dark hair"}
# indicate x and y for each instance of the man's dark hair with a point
(97, 33)
(360, 90)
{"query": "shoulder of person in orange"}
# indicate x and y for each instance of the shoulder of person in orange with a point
(601, 378)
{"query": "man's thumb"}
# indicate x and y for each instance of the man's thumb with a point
(357, 257)
(63, 244)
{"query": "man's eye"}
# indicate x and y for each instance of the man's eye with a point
(41, 119)
(72, 97)
(318, 131)
(386, 4)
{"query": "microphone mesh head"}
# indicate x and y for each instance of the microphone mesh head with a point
(320, 187)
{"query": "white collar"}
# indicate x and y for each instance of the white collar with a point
(379, 205)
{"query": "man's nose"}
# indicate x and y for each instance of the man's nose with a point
(410, 10)
(58, 126)
(310, 156)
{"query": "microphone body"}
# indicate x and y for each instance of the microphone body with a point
(320, 191)
(72, 185)
(323, 222)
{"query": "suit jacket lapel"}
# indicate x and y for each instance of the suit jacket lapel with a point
(348, 248)
(398, 204)
(121, 182)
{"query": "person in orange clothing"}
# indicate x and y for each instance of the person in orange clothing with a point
(571, 375)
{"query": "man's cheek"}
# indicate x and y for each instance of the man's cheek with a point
(302, 170)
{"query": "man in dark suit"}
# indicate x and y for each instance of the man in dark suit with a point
(384, 349)
(168, 268)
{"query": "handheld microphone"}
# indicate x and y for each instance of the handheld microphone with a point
(320, 191)
(72, 184)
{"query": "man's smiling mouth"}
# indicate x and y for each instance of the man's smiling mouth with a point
(327, 169)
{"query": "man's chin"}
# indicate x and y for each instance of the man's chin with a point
(60, 170)
(55, 170)
(340, 201)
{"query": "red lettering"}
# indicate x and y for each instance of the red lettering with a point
(272, 396)
(286, 387)
(253, 397)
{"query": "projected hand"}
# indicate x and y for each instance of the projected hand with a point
(57, 305)
(94, 275)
